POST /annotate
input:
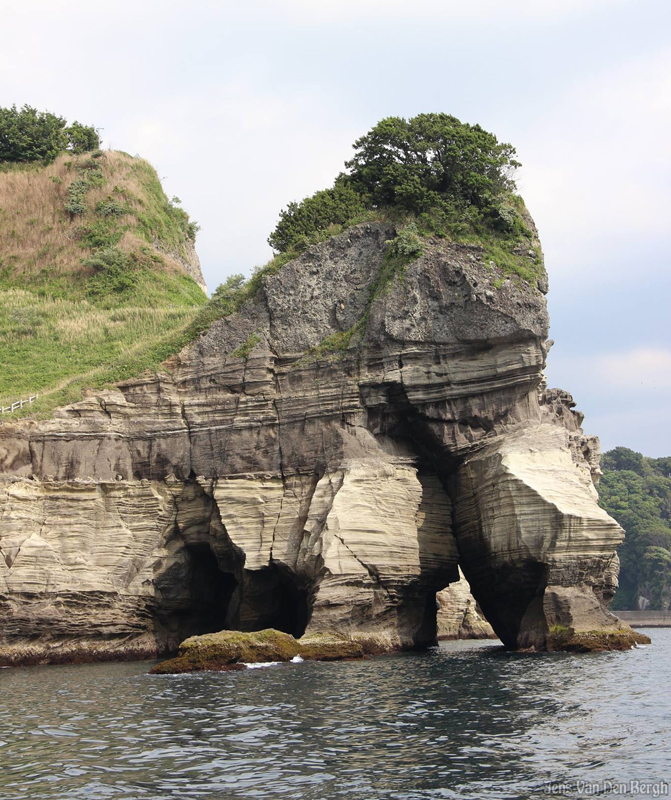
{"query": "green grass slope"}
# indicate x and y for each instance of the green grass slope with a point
(92, 285)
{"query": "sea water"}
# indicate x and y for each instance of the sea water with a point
(465, 720)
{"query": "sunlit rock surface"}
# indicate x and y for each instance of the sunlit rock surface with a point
(312, 491)
(458, 614)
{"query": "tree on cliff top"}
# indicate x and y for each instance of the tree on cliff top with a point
(28, 135)
(419, 163)
(432, 162)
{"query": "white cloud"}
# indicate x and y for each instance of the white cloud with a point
(642, 429)
(634, 371)
(523, 11)
(643, 368)
(598, 162)
(236, 153)
(625, 395)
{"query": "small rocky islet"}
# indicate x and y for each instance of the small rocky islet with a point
(227, 650)
(309, 467)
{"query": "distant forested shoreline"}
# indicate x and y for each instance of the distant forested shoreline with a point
(636, 491)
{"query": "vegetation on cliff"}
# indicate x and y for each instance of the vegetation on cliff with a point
(93, 286)
(28, 135)
(447, 178)
(92, 259)
(430, 176)
(636, 491)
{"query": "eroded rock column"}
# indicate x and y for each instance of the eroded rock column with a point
(534, 545)
(381, 534)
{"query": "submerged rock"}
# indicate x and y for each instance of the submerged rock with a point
(321, 460)
(229, 649)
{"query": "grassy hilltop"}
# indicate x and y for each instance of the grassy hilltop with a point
(94, 258)
(94, 285)
(435, 179)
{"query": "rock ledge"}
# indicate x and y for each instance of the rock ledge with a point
(569, 640)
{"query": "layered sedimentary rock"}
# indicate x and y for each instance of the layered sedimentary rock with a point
(277, 476)
(458, 614)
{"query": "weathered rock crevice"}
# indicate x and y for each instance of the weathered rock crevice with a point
(315, 493)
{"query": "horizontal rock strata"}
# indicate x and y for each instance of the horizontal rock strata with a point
(311, 488)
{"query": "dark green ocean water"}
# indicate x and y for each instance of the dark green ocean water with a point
(467, 720)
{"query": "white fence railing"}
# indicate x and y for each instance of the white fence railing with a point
(19, 404)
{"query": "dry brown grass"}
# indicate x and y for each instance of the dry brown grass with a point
(37, 233)
(65, 326)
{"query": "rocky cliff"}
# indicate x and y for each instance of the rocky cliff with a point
(321, 460)
(458, 615)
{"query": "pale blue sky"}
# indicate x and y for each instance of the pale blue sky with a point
(244, 108)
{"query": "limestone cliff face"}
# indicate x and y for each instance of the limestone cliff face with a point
(333, 492)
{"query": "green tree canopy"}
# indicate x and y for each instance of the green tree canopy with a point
(27, 135)
(432, 162)
(299, 221)
(432, 158)
(82, 138)
(622, 458)
(636, 491)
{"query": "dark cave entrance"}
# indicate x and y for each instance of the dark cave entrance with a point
(210, 590)
(273, 598)
(293, 608)
(204, 598)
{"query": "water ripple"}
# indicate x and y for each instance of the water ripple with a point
(464, 721)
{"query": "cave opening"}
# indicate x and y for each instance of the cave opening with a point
(273, 597)
(210, 590)
(293, 607)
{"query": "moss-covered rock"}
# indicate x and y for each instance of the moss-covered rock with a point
(329, 647)
(229, 650)
(569, 640)
(232, 649)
